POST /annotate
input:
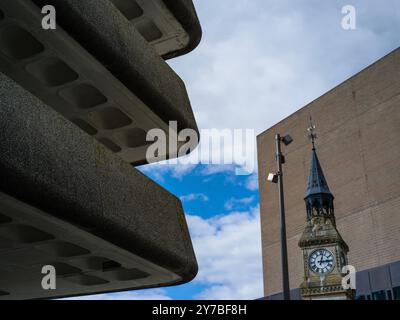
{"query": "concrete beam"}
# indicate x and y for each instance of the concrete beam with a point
(67, 201)
(170, 26)
(96, 69)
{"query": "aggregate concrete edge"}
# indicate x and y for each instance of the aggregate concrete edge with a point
(47, 162)
(185, 12)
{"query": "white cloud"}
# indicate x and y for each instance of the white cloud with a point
(228, 250)
(259, 61)
(210, 170)
(194, 197)
(235, 203)
(153, 294)
(159, 170)
(252, 182)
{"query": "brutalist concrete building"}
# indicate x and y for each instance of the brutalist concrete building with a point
(76, 104)
(358, 144)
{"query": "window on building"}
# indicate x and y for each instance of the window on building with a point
(396, 293)
(379, 295)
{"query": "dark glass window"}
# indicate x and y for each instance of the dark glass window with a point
(396, 293)
(389, 295)
(362, 297)
(379, 295)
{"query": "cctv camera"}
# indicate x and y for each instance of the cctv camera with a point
(273, 178)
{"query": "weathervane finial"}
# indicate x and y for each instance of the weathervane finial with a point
(311, 132)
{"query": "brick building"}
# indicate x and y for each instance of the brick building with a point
(358, 126)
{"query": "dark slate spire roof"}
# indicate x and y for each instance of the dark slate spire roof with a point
(318, 197)
(316, 181)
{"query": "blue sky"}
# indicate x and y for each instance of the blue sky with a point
(259, 61)
(222, 211)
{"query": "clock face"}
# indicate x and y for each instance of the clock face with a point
(321, 261)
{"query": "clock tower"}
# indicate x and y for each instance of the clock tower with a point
(324, 250)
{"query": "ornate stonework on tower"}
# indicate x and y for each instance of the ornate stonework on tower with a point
(324, 250)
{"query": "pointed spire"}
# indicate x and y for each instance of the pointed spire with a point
(316, 180)
(318, 197)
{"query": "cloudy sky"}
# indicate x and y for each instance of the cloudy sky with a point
(259, 61)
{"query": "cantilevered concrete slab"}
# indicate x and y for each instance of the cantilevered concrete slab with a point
(98, 70)
(67, 201)
(170, 26)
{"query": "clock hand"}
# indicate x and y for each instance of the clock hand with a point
(327, 261)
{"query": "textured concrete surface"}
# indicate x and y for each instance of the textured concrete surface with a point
(185, 12)
(105, 33)
(171, 27)
(358, 127)
(57, 69)
(82, 183)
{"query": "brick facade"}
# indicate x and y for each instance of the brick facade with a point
(358, 127)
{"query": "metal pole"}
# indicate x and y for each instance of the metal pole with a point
(284, 257)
